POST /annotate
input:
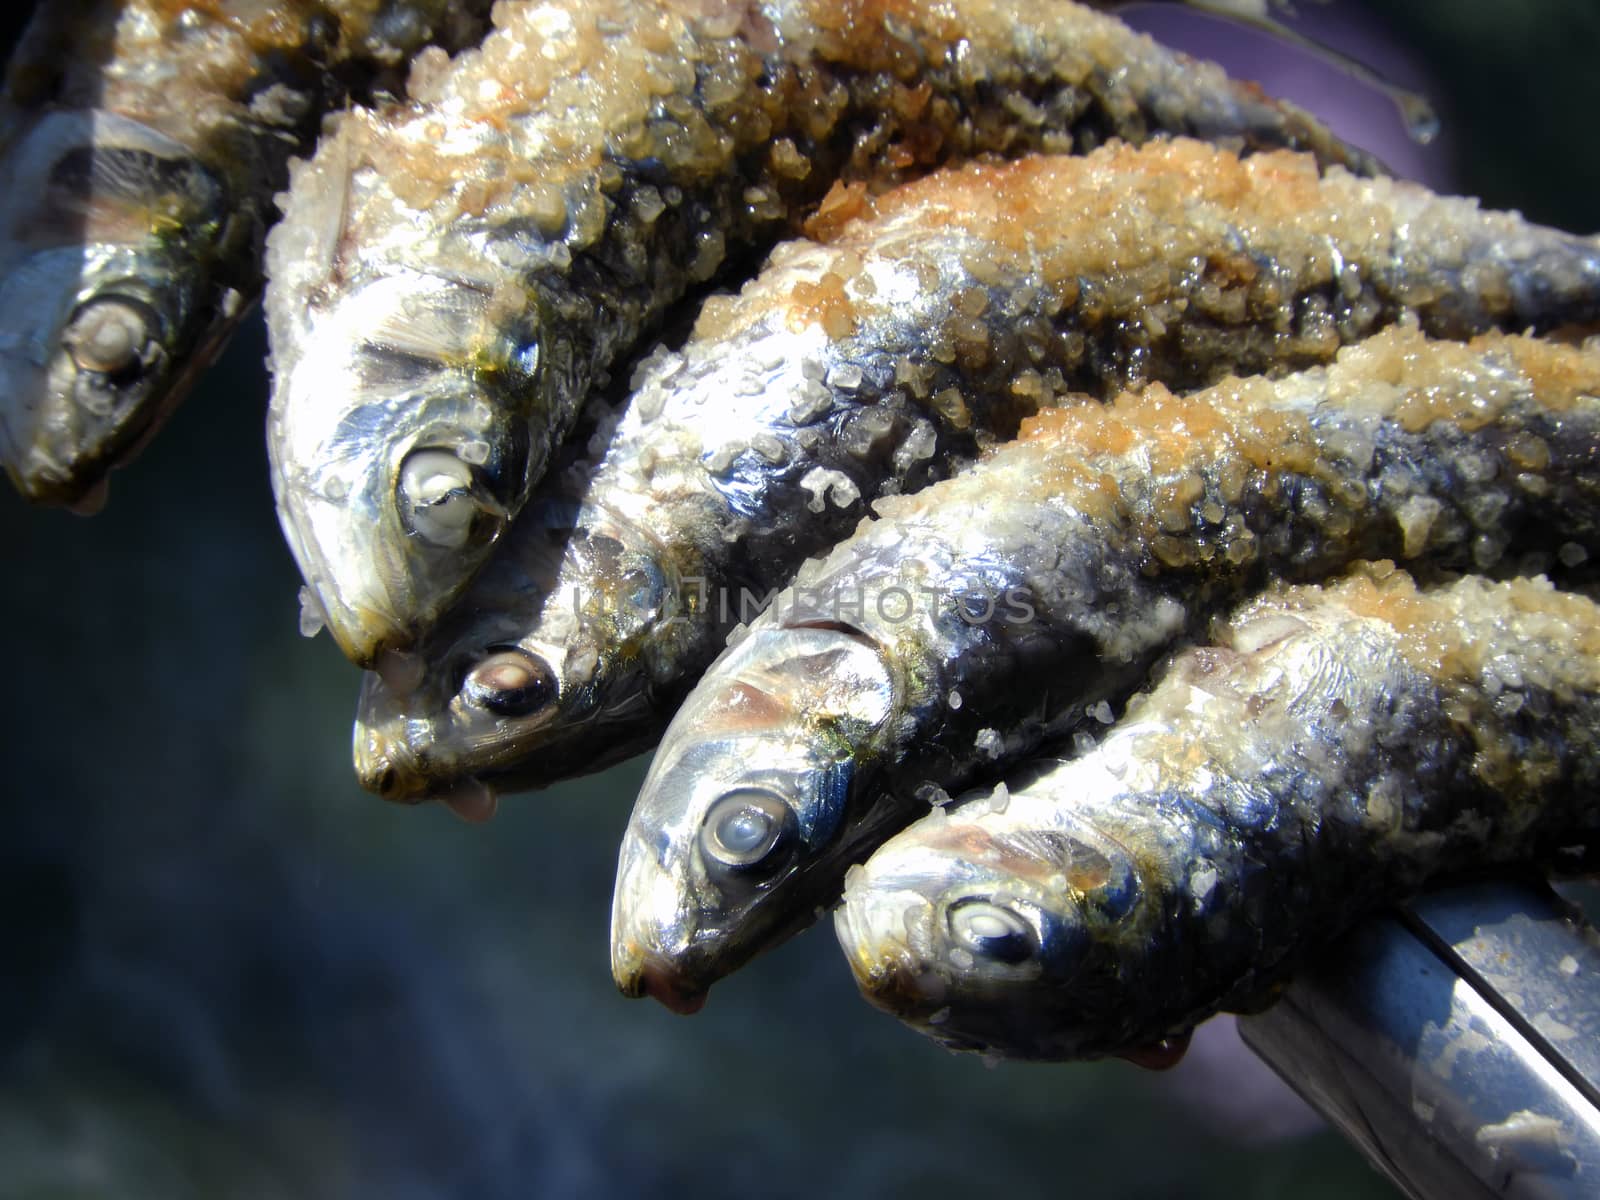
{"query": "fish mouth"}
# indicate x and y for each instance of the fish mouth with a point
(887, 973)
(639, 973)
(864, 950)
(392, 772)
(54, 452)
(380, 596)
(40, 475)
(354, 601)
(49, 446)
(389, 768)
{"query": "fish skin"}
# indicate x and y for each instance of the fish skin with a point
(929, 323)
(563, 186)
(142, 142)
(1071, 559)
(1336, 749)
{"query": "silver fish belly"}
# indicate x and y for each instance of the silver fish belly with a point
(934, 320)
(141, 142)
(1334, 750)
(452, 277)
(988, 614)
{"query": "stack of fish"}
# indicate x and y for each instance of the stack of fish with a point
(1072, 366)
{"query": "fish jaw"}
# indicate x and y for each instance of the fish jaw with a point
(395, 472)
(113, 295)
(672, 942)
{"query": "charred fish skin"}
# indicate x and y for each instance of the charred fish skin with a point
(555, 191)
(1335, 750)
(932, 321)
(142, 142)
(1070, 559)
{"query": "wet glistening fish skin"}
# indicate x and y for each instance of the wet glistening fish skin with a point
(141, 142)
(931, 322)
(979, 619)
(1335, 749)
(452, 277)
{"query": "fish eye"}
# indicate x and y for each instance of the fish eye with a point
(511, 683)
(990, 931)
(110, 334)
(747, 827)
(436, 498)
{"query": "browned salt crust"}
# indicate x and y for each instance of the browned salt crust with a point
(574, 176)
(522, 127)
(1547, 641)
(585, 120)
(1290, 263)
(1484, 645)
(1236, 433)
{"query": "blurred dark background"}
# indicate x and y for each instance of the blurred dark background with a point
(227, 972)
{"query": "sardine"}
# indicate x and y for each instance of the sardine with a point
(1335, 750)
(996, 611)
(938, 318)
(141, 142)
(452, 277)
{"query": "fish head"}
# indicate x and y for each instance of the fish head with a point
(990, 935)
(115, 253)
(744, 825)
(400, 441)
(556, 661)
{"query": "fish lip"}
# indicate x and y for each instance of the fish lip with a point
(640, 973)
(42, 446)
(877, 974)
(394, 773)
(38, 478)
(71, 474)
(889, 974)
(389, 769)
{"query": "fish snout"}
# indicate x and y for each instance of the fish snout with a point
(389, 768)
(39, 433)
(396, 773)
(876, 940)
(639, 973)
